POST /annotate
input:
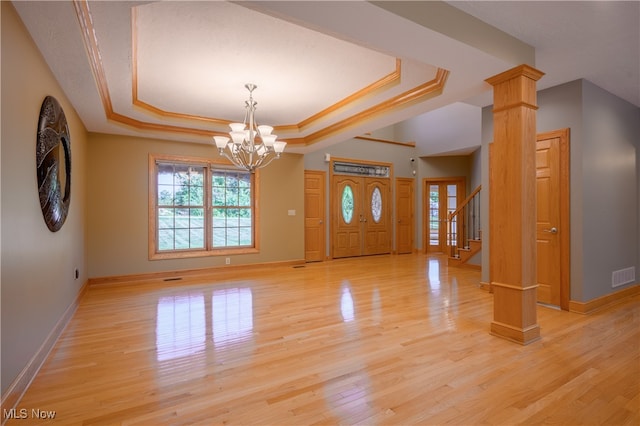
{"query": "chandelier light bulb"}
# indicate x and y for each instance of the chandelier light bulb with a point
(237, 137)
(237, 127)
(221, 141)
(278, 147)
(268, 140)
(265, 130)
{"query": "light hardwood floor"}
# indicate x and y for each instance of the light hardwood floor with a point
(376, 340)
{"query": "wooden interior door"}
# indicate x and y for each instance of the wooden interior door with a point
(314, 216)
(404, 215)
(552, 228)
(376, 213)
(347, 216)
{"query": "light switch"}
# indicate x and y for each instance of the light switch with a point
(292, 212)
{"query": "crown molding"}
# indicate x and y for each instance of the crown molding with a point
(417, 94)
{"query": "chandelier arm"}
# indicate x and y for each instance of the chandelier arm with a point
(230, 158)
(241, 159)
(272, 156)
(259, 162)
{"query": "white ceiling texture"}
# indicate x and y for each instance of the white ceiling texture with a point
(326, 71)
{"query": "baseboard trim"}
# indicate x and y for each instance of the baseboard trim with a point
(470, 266)
(119, 279)
(523, 336)
(19, 386)
(603, 301)
(486, 286)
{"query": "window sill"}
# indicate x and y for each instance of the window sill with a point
(202, 253)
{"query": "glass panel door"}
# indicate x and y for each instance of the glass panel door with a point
(347, 216)
(361, 216)
(443, 196)
(452, 205)
(435, 220)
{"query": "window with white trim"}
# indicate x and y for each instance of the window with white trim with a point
(200, 208)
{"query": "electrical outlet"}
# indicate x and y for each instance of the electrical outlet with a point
(227, 261)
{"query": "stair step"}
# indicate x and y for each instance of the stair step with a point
(454, 261)
(466, 253)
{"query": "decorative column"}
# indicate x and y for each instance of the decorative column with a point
(512, 205)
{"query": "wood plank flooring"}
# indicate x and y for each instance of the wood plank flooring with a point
(394, 340)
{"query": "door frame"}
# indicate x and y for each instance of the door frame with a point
(565, 215)
(461, 194)
(332, 206)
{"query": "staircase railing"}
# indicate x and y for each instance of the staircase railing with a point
(464, 223)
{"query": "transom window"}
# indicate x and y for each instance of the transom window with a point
(200, 208)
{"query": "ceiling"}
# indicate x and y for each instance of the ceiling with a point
(325, 71)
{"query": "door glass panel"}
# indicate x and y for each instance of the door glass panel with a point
(452, 205)
(376, 205)
(434, 215)
(347, 204)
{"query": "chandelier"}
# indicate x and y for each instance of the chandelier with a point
(250, 146)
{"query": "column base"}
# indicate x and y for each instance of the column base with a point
(518, 335)
(515, 313)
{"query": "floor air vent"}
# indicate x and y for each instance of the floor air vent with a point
(623, 276)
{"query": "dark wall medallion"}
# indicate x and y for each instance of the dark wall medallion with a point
(53, 159)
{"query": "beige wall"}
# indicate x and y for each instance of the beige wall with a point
(118, 208)
(38, 283)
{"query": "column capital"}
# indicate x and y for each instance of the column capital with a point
(523, 70)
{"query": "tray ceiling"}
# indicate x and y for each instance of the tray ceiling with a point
(325, 71)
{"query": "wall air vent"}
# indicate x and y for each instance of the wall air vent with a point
(623, 276)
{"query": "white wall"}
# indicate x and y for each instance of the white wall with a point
(449, 130)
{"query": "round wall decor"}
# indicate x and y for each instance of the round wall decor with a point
(53, 159)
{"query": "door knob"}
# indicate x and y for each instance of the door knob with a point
(553, 230)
